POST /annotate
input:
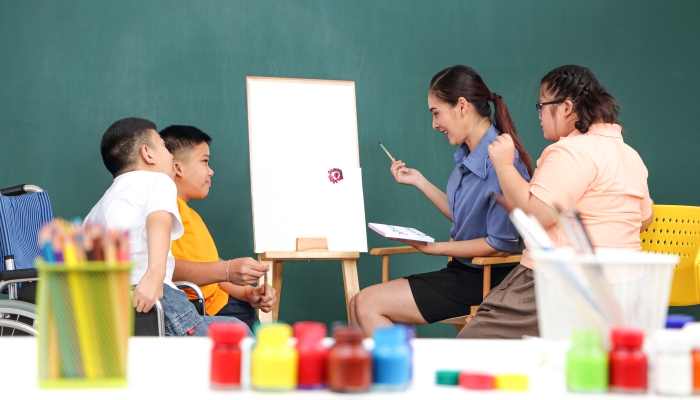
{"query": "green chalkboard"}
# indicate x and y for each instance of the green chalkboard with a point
(69, 69)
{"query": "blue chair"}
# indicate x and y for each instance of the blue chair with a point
(24, 209)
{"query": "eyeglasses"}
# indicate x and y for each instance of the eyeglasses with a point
(539, 105)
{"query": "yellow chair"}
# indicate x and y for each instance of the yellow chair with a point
(487, 262)
(676, 230)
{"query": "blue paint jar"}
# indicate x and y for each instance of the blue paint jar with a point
(391, 359)
(677, 321)
(410, 334)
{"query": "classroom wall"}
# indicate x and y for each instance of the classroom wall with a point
(69, 69)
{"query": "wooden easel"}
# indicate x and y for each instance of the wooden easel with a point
(309, 249)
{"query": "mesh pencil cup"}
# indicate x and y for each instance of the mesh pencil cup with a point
(600, 291)
(85, 320)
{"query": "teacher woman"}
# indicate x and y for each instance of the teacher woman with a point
(461, 104)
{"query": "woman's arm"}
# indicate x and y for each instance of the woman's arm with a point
(516, 189)
(410, 176)
(647, 222)
(460, 248)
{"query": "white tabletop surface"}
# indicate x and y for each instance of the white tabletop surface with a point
(179, 367)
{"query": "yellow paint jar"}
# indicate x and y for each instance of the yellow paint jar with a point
(274, 361)
(511, 382)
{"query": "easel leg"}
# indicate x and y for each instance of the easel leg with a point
(272, 315)
(351, 283)
(265, 317)
(277, 268)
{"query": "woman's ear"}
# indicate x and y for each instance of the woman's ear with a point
(179, 169)
(463, 106)
(145, 153)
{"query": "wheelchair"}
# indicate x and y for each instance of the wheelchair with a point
(24, 209)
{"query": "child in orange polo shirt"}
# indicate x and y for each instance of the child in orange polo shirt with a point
(190, 149)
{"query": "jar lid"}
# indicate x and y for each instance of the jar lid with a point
(585, 337)
(444, 377)
(390, 336)
(676, 321)
(672, 340)
(476, 381)
(627, 337)
(227, 333)
(274, 334)
(344, 333)
(693, 331)
(309, 330)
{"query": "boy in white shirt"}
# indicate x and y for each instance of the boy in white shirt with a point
(143, 200)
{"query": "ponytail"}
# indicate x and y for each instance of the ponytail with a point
(504, 124)
(461, 81)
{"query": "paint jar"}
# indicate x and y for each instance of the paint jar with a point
(447, 377)
(674, 364)
(511, 382)
(476, 381)
(349, 364)
(677, 321)
(246, 346)
(628, 363)
(274, 361)
(410, 335)
(586, 363)
(693, 331)
(391, 359)
(313, 356)
(226, 355)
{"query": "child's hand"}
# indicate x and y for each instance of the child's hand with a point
(147, 292)
(264, 302)
(246, 271)
(502, 151)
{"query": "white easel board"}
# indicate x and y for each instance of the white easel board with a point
(305, 172)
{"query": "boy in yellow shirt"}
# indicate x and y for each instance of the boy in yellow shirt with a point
(190, 149)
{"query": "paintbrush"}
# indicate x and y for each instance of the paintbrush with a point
(389, 154)
(386, 151)
(265, 284)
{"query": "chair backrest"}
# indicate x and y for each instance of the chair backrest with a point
(21, 217)
(676, 230)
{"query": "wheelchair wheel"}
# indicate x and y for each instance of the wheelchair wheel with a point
(17, 318)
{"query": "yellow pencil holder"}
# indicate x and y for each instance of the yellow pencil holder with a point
(85, 320)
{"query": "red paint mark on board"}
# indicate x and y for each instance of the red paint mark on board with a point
(335, 175)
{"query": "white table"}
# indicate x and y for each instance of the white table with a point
(179, 368)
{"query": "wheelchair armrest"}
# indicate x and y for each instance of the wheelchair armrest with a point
(20, 189)
(144, 324)
(513, 258)
(199, 302)
(387, 251)
(10, 277)
(191, 286)
(18, 274)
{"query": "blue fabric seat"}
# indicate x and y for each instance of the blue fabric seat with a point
(21, 218)
(24, 209)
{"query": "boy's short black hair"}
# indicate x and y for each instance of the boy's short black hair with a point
(121, 141)
(182, 138)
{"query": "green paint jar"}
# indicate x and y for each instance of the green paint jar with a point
(586, 363)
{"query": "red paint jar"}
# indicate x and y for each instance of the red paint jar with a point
(476, 381)
(628, 363)
(226, 355)
(349, 364)
(313, 357)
